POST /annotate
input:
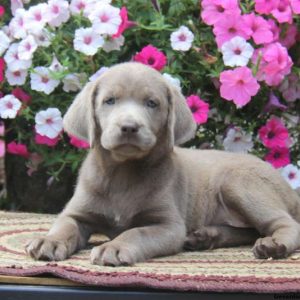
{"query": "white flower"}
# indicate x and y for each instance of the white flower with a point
(113, 43)
(5, 41)
(58, 12)
(41, 80)
(173, 80)
(56, 66)
(48, 122)
(292, 175)
(73, 82)
(85, 6)
(15, 5)
(182, 39)
(43, 37)
(106, 19)
(87, 41)
(237, 141)
(17, 24)
(98, 73)
(17, 77)
(9, 107)
(37, 17)
(14, 63)
(236, 52)
(27, 47)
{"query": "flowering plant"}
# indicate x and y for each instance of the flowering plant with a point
(237, 62)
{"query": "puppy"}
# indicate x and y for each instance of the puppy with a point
(152, 198)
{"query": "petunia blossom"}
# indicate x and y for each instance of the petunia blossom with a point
(74, 82)
(87, 41)
(13, 61)
(113, 43)
(37, 17)
(278, 157)
(16, 77)
(182, 39)
(265, 6)
(295, 4)
(2, 68)
(261, 29)
(238, 85)
(237, 141)
(274, 134)
(9, 106)
(48, 123)
(283, 12)
(17, 25)
(2, 11)
(290, 88)
(106, 19)
(273, 104)
(58, 12)
(152, 57)
(27, 47)
(41, 80)
(213, 10)
(199, 108)
(18, 149)
(292, 175)
(125, 23)
(288, 37)
(78, 143)
(21, 95)
(230, 26)
(44, 140)
(236, 52)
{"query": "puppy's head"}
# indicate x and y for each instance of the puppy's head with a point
(128, 110)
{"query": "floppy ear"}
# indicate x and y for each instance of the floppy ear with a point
(79, 118)
(181, 120)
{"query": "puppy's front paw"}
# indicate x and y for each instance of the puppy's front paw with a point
(268, 247)
(113, 254)
(46, 248)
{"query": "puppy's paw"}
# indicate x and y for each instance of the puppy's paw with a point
(204, 238)
(268, 247)
(46, 248)
(113, 254)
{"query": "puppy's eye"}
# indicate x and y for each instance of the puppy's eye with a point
(110, 101)
(151, 103)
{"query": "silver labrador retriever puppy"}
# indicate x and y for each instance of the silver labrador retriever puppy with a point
(151, 198)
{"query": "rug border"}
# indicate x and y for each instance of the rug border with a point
(249, 284)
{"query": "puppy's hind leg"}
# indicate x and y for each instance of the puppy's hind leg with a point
(211, 237)
(260, 202)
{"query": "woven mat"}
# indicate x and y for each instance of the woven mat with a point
(221, 270)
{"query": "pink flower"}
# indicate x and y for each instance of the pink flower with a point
(2, 148)
(18, 149)
(2, 68)
(213, 10)
(265, 6)
(76, 142)
(283, 12)
(275, 63)
(274, 134)
(125, 22)
(21, 95)
(261, 29)
(230, 26)
(288, 37)
(44, 140)
(295, 6)
(152, 57)
(238, 85)
(2, 11)
(199, 109)
(278, 157)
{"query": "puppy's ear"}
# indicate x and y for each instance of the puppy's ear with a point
(183, 124)
(79, 118)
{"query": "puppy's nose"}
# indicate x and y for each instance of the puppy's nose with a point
(130, 128)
